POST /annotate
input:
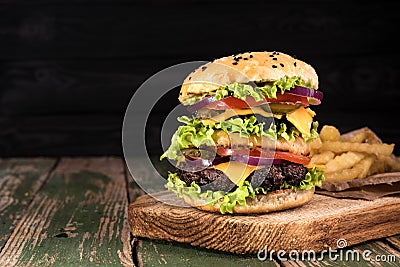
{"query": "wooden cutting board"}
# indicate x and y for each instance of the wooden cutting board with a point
(318, 225)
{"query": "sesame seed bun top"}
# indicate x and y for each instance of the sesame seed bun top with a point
(243, 68)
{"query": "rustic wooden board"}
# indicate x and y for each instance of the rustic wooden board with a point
(317, 225)
(79, 217)
(20, 180)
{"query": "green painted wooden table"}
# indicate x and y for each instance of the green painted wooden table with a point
(73, 212)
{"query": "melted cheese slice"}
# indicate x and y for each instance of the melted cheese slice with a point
(237, 112)
(237, 172)
(302, 119)
(318, 166)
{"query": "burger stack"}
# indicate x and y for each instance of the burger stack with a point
(245, 148)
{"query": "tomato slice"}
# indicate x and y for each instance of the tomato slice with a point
(288, 156)
(289, 98)
(299, 159)
(233, 102)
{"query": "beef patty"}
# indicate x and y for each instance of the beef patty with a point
(271, 179)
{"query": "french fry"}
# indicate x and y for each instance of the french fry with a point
(353, 155)
(316, 144)
(341, 147)
(359, 171)
(364, 166)
(344, 161)
(329, 133)
(377, 166)
(322, 158)
(343, 175)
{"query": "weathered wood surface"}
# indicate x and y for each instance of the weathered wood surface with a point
(161, 253)
(378, 253)
(73, 212)
(20, 180)
(316, 226)
(79, 217)
(394, 241)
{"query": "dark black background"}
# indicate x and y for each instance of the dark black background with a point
(69, 68)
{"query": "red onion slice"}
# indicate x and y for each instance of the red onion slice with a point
(314, 96)
(202, 103)
(200, 162)
(256, 161)
(245, 159)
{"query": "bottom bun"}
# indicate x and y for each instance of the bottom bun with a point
(262, 203)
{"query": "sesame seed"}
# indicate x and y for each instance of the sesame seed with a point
(234, 63)
(245, 58)
(274, 66)
(294, 64)
(251, 56)
(271, 55)
(203, 68)
(190, 78)
(282, 65)
(274, 58)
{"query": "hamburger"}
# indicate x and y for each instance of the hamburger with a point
(245, 148)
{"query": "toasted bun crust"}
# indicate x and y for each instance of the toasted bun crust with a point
(274, 201)
(243, 68)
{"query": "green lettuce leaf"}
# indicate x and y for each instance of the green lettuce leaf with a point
(292, 133)
(221, 93)
(195, 133)
(283, 134)
(284, 84)
(313, 133)
(314, 177)
(240, 90)
(193, 99)
(244, 126)
(228, 200)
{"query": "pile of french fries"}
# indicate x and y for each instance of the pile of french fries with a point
(354, 155)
